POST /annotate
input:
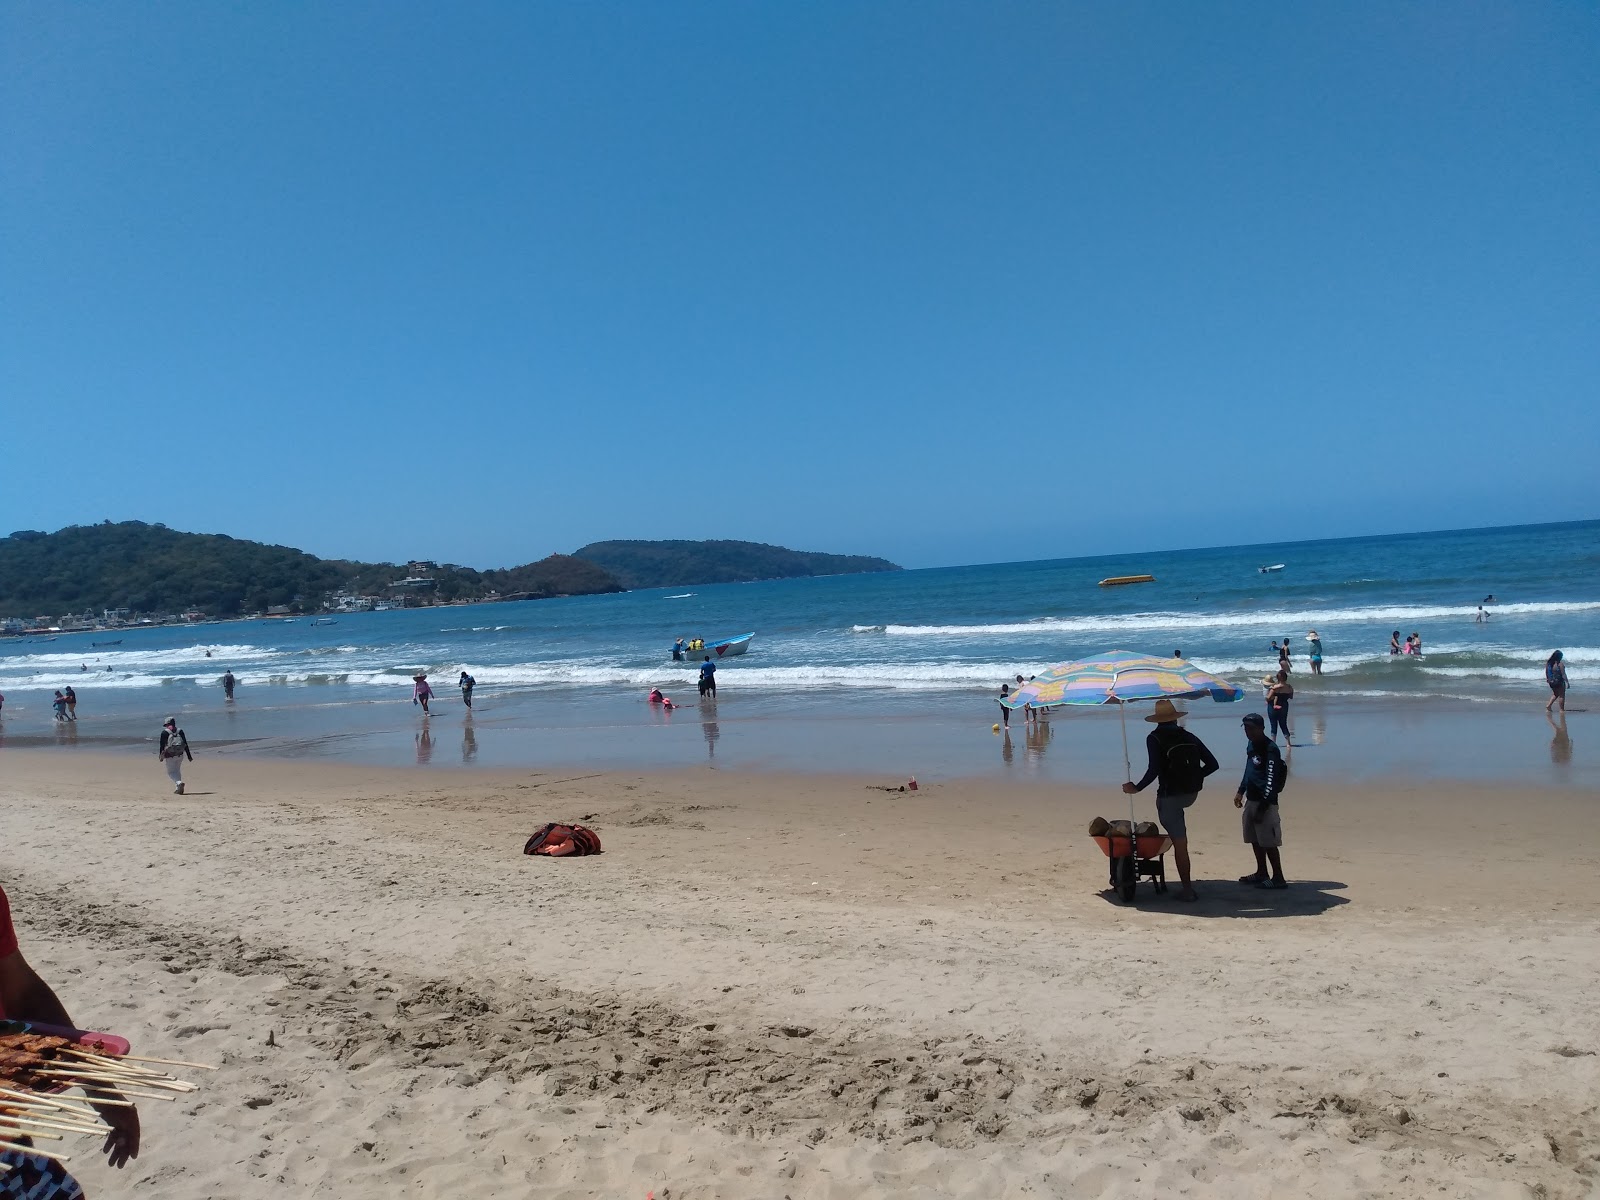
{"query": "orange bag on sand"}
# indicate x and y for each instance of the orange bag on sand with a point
(558, 841)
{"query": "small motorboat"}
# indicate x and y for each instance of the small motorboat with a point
(118, 642)
(324, 621)
(1119, 580)
(726, 648)
(1273, 567)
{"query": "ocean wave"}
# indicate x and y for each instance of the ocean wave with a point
(118, 658)
(1267, 620)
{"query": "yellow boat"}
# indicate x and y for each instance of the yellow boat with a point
(1119, 580)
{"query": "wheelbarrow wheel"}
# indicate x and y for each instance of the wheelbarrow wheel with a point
(1126, 875)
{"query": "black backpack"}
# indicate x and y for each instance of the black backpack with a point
(1183, 768)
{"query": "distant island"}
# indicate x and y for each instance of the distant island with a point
(113, 573)
(130, 572)
(681, 564)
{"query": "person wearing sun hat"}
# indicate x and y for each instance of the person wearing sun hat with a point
(1179, 762)
(1315, 639)
(1264, 777)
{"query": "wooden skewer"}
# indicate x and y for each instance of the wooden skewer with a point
(24, 1107)
(116, 1064)
(29, 1124)
(117, 1095)
(12, 1112)
(167, 1062)
(76, 1106)
(100, 1075)
(14, 1128)
(20, 1149)
(126, 1062)
(99, 1101)
(141, 1077)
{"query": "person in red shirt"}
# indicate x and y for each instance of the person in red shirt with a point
(26, 997)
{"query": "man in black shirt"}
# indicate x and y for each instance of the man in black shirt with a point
(1264, 777)
(1179, 761)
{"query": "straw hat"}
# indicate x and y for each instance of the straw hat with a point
(1166, 711)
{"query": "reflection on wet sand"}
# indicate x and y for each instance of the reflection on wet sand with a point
(424, 747)
(1561, 743)
(1038, 737)
(469, 741)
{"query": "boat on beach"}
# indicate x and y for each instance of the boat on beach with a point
(1120, 580)
(726, 648)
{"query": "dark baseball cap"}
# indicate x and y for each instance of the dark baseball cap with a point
(1252, 719)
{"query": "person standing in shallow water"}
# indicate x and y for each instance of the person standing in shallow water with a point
(228, 682)
(1555, 674)
(1279, 694)
(421, 692)
(1315, 639)
(466, 683)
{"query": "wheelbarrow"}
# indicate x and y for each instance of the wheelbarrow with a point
(1144, 859)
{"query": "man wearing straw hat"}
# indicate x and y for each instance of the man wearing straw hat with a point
(1180, 762)
(26, 997)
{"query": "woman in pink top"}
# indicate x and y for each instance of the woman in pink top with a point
(421, 693)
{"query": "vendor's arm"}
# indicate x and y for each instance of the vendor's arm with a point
(25, 996)
(1151, 771)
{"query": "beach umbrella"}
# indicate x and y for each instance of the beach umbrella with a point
(1122, 677)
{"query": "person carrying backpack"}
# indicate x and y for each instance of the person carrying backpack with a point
(1179, 764)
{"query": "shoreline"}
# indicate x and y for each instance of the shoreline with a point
(1335, 738)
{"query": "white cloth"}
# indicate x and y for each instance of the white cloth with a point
(1266, 833)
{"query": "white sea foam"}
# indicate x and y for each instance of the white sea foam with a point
(1265, 619)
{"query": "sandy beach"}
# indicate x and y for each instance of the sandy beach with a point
(777, 985)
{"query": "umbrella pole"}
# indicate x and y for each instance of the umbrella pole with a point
(1127, 764)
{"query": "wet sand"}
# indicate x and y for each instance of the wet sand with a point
(1337, 739)
(795, 985)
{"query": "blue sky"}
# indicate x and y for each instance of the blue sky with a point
(943, 282)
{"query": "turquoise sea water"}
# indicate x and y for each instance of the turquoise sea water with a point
(901, 645)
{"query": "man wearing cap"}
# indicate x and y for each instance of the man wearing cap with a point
(1264, 777)
(1179, 762)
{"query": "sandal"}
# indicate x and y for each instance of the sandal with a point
(1255, 879)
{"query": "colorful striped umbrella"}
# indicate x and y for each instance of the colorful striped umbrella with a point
(1119, 677)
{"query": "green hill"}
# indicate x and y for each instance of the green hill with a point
(153, 569)
(675, 563)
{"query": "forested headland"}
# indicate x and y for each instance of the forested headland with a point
(151, 569)
(679, 563)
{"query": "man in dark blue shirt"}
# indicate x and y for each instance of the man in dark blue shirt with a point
(708, 677)
(1264, 777)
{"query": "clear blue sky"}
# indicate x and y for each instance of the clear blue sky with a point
(944, 282)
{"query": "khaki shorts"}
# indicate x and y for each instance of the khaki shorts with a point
(1266, 833)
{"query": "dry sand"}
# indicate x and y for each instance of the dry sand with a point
(776, 986)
